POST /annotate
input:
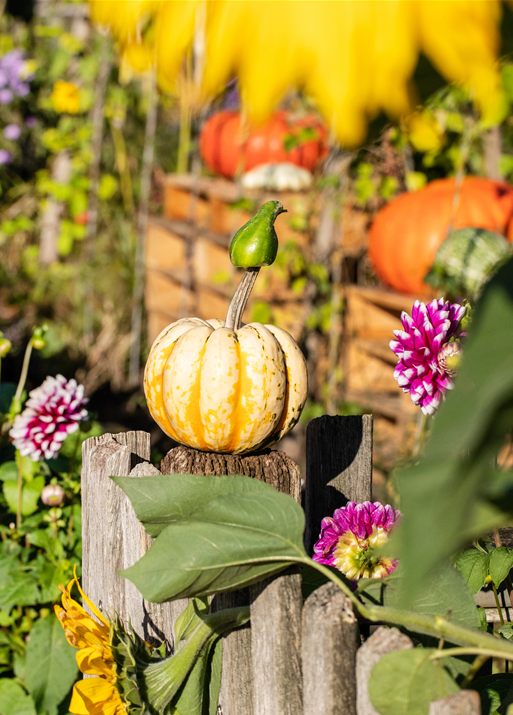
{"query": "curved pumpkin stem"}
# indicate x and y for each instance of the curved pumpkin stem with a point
(240, 299)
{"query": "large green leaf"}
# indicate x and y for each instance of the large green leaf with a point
(31, 491)
(161, 500)
(447, 595)
(51, 668)
(406, 681)
(14, 700)
(230, 542)
(444, 499)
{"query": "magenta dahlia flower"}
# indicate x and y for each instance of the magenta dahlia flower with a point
(426, 357)
(349, 540)
(52, 412)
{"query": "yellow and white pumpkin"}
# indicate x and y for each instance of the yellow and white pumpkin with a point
(222, 389)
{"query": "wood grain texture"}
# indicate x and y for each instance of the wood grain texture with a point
(382, 641)
(239, 669)
(338, 468)
(330, 639)
(466, 702)
(113, 538)
(272, 467)
(276, 645)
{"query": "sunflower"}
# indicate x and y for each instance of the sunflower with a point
(355, 58)
(98, 695)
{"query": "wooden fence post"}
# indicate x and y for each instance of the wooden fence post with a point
(466, 702)
(246, 657)
(112, 536)
(382, 641)
(338, 468)
(330, 642)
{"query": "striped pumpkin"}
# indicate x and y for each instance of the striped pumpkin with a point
(222, 390)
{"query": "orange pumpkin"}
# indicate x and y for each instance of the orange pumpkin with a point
(407, 232)
(224, 150)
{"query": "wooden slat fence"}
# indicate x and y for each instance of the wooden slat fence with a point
(293, 658)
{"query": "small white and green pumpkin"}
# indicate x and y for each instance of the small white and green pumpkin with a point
(225, 387)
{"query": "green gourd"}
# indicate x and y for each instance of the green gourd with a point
(256, 243)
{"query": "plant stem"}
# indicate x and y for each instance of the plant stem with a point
(123, 168)
(142, 222)
(432, 625)
(483, 652)
(420, 436)
(240, 299)
(24, 371)
(19, 459)
(497, 603)
(474, 668)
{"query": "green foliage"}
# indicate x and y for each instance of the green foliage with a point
(50, 665)
(14, 700)
(460, 493)
(406, 681)
(214, 543)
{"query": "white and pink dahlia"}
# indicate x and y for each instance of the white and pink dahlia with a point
(426, 357)
(52, 412)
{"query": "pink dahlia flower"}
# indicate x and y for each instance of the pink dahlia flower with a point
(50, 415)
(348, 540)
(423, 350)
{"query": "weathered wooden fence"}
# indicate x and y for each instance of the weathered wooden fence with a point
(293, 658)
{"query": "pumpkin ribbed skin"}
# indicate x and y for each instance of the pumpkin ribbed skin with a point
(223, 151)
(407, 232)
(222, 390)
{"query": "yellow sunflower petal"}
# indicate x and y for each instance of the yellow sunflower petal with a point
(96, 696)
(96, 660)
(89, 602)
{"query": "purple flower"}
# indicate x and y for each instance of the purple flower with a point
(12, 132)
(31, 122)
(348, 540)
(21, 89)
(52, 495)
(51, 414)
(5, 157)
(6, 96)
(422, 369)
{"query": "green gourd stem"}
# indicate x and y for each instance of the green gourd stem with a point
(240, 299)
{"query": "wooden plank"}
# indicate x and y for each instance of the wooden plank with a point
(164, 249)
(368, 373)
(112, 537)
(338, 468)
(382, 641)
(466, 702)
(276, 645)
(330, 639)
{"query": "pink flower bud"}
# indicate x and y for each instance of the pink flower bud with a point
(52, 495)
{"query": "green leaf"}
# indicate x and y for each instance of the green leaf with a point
(30, 494)
(405, 682)
(473, 566)
(51, 576)
(19, 590)
(51, 668)
(161, 500)
(164, 680)
(444, 499)
(447, 595)
(493, 690)
(188, 620)
(233, 541)
(506, 631)
(501, 562)
(14, 700)
(8, 471)
(216, 664)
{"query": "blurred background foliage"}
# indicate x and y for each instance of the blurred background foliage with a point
(68, 240)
